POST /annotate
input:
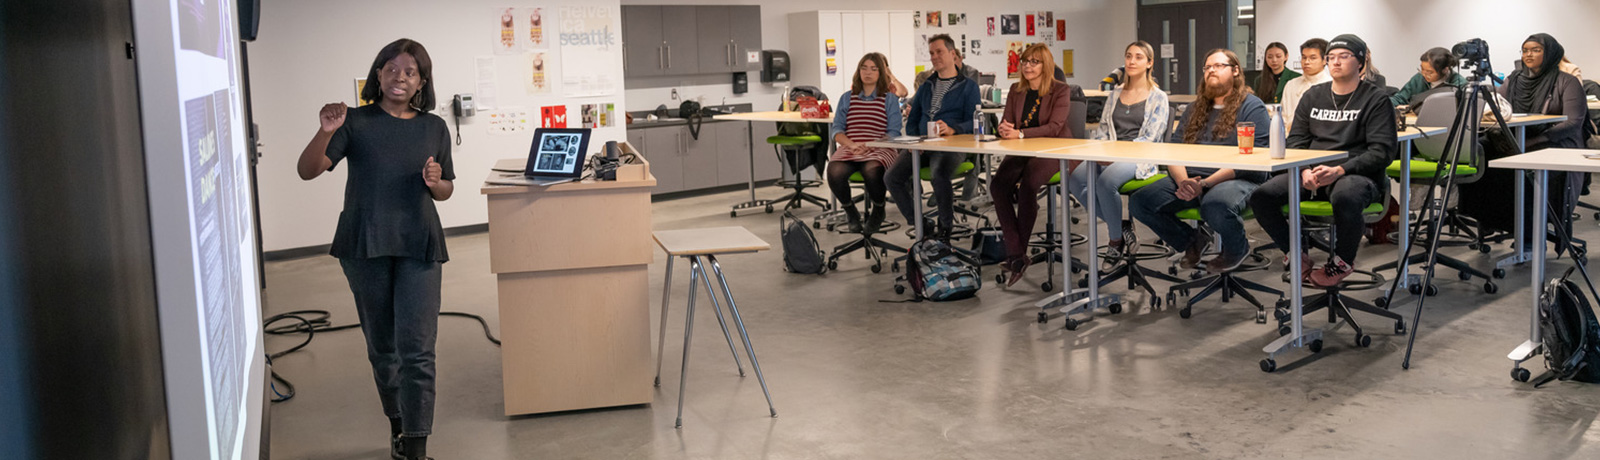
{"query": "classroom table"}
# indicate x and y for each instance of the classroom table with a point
(1520, 123)
(773, 116)
(1411, 133)
(1594, 105)
(1540, 163)
(1223, 157)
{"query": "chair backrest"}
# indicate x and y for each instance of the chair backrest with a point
(1438, 110)
(1078, 114)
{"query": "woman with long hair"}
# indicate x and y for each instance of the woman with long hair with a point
(869, 112)
(1135, 111)
(389, 240)
(1269, 85)
(1037, 106)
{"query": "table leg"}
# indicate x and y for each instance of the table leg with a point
(750, 138)
(1532, 346)
(743, 333)
(1298, 335)
(1094, 300)
(688, 332)
(717, 308)
(666, 296)
(916, 191)
(1402, 279)
(1068, 293)
(1518, 255)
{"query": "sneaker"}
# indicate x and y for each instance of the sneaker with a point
(1331, 274)
(1224, 263)
(1114, 250)
(1306, 265)
(1191, 255)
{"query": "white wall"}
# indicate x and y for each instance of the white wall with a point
(1398, 31)
(1096, 30)
(309, 54)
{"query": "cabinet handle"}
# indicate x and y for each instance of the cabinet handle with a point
(669, 56)
(727, 54)
(661, 60)
(731, 47)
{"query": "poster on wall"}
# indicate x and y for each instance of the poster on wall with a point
(1061, 30)
(832, 46)
(488, 91)
(1014, 58)
(511, 120)
(916, 19)
(1010, 24)
(1066, 62)
(1049, 18)
(977, 47)
(935, 18)
(538, 76)
(599, 115)
(533, 19)
(991, 26)
(553, 116)
(586, 32)
(504, 28)
(956, 19)
(1029, 25)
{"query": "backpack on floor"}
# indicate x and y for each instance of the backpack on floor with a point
(936, 273)
(1570, 333)
(800, 251)
(990, 244)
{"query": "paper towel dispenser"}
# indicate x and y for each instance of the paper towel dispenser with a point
(774, 66)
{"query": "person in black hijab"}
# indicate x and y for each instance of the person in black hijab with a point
(1538, 86)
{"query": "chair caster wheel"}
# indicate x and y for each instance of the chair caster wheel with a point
(1186, 312)
(1400, 327)
(1044, 317)
(1268, 365)
(1172, 298)
(769, 209)
(1521, 375)
(1483, 248)
(1315, 346)
(1072, 324)
(1261, 317)
(1047, 286)
(1115, 308)
(1415, 289)
(1490, 288)
(895, 267)
(1381, 302)
(898, 289)
(816, 225)
(1284, 330)
(833, 265)
(1433, 290)
(1363, 341)
(1464, 276)
(877, 268)
(1499, 273)
(1185, 292)
(1083, 283)
(1172, 270)
(1281, 314)
(1000, 278)
(733, 213)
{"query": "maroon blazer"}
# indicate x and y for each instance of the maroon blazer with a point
(1053, 110)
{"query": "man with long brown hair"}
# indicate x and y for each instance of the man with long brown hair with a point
(1221, 194)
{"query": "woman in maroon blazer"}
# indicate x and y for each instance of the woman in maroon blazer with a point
(1037, 107)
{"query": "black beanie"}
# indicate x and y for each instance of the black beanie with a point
(1353, 43)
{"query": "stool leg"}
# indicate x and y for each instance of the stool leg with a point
(715, 306)
(666, 296)
(738, 321)
(688, 331)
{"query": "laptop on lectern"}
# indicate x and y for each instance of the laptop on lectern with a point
(556, 156)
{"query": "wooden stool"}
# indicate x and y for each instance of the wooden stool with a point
(700, 246)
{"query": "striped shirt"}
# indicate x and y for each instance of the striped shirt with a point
(868, 119)
(940, 87)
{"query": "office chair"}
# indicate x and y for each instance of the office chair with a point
(1228, 284)
(1318, 216)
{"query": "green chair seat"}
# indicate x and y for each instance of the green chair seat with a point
(795, 140)
(1325, 209)
(966, 166)
(1194, 214)
(1136, 184)
(1423, 169)
(856, 177)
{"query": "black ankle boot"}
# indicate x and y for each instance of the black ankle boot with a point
(852, 218)
(874, 217)
(396, 449)
(416, 448)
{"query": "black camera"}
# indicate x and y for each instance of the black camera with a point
(1475, 50)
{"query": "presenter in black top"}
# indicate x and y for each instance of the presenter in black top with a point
(389, 240)
(1347, 114)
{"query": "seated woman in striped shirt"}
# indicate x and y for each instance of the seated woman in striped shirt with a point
(870, 112)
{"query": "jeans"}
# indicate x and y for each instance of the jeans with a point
(1349, 195)
(1157, 206)
(1108, 203)
(1015, 187)
(943, 166)
(397, 300)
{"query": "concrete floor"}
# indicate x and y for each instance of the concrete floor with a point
(853, 378)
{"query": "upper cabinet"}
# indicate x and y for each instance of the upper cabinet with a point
(688, 40)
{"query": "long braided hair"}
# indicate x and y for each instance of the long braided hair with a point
(1230, 106)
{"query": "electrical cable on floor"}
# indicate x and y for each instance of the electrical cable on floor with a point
(310, 322)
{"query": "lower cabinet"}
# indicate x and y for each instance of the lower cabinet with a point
(720, 156)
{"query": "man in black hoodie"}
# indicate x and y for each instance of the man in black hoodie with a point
(1347, 114)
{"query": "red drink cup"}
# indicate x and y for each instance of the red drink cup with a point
(1247, 138)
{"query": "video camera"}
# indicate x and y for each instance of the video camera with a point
(1473, 54)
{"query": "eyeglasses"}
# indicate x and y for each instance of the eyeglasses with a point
(1032, 62)
(1217, 67)
(1341, 55)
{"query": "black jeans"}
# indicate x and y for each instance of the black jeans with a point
(397, 299)
(943, 166)
(1349, 195)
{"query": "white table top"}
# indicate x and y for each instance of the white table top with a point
(775, 116)
(1192, 155)
(967, 143)
(1415, 132)
(703, 241)
(1594, 105)
(1550, 160)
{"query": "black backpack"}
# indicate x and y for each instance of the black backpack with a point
(1569, 332)
(800, 251)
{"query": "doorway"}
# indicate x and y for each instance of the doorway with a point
(1181, 33)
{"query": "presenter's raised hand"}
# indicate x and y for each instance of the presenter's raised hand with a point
(332, 116)
(431, 173)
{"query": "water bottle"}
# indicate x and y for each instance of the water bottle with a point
(1277, 144)
(977, 122)
(785, 102)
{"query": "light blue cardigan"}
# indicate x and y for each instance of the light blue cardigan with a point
(1157, 118)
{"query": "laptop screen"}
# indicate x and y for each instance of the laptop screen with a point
(557, 152)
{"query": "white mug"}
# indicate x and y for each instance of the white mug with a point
(933, 130)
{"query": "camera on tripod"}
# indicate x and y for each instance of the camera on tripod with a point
(1473, 54)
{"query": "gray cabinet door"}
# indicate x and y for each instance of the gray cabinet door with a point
(661, 148)
(700, 157)
(767, 166)
(642, 41)
(682, 42)
(715, 44)
(745, 22)
(733, 153)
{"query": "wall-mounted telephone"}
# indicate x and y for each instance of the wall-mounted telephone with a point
(462, 106)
